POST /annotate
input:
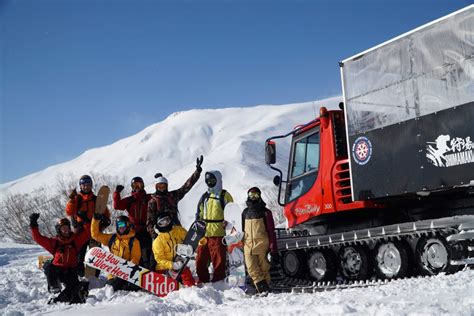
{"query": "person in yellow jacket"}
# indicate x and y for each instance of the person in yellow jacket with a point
(122, 244)
(210, 209)
(164, 248)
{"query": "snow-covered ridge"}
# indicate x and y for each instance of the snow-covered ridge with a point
(231, 140)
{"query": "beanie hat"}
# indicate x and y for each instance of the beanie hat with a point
(161, 180)
(254, 189)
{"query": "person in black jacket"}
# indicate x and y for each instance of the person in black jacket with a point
(163, 200)
(259, 239)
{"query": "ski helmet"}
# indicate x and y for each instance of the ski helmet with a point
(137, 183)
(164, 222)
(85, 179)
(121, 222)
(60, 223)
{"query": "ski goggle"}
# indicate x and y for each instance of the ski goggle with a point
(211, 182)
(254, 195)
(121, 224)
(163, 222)
(138, 185)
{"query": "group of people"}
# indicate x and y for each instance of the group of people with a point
(148, 235)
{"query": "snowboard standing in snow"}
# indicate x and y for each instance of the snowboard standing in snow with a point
(100, 207)
(235, 254)
(185, 251)
(150, 281)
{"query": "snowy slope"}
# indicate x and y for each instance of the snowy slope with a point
(23, 292)
(231, 140)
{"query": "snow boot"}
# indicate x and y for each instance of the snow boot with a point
(54, 288)
(63, 297)
(262, 287)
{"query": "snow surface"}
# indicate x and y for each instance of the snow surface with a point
(231, 140)
(23, 292)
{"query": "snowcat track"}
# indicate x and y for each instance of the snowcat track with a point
(449, 226)
(452, 228)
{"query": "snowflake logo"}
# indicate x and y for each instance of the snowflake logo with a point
(362, 150)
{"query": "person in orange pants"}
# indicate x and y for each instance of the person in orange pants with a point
(164, 245)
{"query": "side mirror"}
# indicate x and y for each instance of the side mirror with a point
(277, 180)
(270, 152)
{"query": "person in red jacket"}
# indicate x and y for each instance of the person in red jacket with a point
(65, 248)
(80, 208)
(137, 207)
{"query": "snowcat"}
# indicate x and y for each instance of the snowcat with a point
(383, 188)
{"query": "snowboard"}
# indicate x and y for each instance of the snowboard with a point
(185, 251)
(235, 256)
(100, 207)
(151, 281)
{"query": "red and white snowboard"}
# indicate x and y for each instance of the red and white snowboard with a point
(150, 281)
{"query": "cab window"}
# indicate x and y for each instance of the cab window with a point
(304, 168)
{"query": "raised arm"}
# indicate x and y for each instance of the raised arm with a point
(71, 206)
(96, 233)
(47, 243)
(119, 203)
(181, 192)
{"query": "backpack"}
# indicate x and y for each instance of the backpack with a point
(112, 240)
(205, 196)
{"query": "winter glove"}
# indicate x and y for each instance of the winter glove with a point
(82, 215)
(177, 265)
(76, 226)
(73, 194)
(74, 222)
(98, 216)
(34, 219)
(199, 163)
(203, 241)
(119, 188)
(104, 222)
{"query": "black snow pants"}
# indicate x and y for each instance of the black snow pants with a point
(72, 287)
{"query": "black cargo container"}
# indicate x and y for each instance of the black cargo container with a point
(410, 111)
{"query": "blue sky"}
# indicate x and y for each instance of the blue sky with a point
(79, 74)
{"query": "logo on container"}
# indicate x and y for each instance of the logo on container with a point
(447, 151)
(362, 150)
